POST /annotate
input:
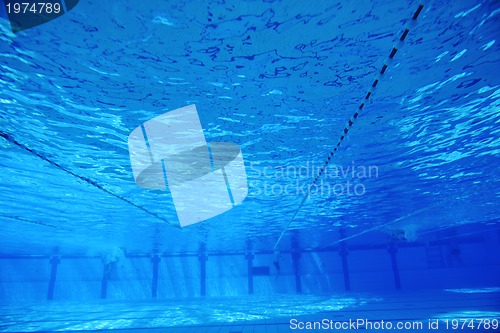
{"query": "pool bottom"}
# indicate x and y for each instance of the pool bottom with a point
(428, 312)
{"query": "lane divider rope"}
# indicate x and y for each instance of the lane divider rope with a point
(351, 121)
(10, 139)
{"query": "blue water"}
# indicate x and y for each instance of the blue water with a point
(417, 173)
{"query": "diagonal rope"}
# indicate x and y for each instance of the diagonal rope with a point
(353, 118)
(12, 140)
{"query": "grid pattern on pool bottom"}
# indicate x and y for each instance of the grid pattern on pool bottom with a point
(276, 314)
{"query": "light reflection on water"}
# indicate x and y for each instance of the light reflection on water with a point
(474, 290)
(280, 80)
(168, 313)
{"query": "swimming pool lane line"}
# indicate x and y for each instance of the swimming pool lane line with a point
(351, 121)
(399, 219)
(17, 218)
(12, 140)
(377, 227)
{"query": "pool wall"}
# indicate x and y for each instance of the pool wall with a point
(469, 261)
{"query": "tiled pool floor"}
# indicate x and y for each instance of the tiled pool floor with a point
(256, 314)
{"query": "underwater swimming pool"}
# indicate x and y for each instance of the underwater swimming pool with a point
(233, 166)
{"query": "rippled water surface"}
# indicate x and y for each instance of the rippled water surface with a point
(278, 78)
